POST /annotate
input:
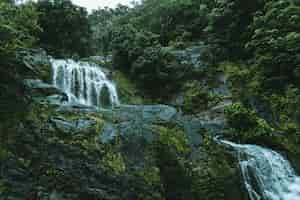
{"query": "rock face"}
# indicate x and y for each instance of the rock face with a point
(38, 62)
(44, 92)
(39, 88)
(59, 151)
(193, 55)
(82, 125)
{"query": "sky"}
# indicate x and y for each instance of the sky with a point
(94, 4)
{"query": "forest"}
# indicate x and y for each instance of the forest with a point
(201, 100)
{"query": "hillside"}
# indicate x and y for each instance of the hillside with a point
(165, 100)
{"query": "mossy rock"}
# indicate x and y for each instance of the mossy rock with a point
(173, 137)
(39, 63)
(115, 162)
(245, 126)
(197, 98)
(105, 100)
(128, 91)
(170, 151)
(216, 174)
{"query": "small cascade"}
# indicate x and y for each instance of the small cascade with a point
(84, 83)
(267, 174)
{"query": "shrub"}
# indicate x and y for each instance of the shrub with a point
(66, 29)
(240, 118)
(17, 27)
(197, 98)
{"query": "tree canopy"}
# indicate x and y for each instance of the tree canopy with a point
(66, 30)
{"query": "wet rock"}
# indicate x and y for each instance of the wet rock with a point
(105, 98)
(192, 127)
(128, 121)
(39, 62)
(192, 55)
(37, 88)
(221, 86)
(52, 100)
(177, 99)
(84, 124)
(63, 126)
(159, 112)
(81, 125)
(100, 59)
(109, 132)
(55, 196)
(147, 113)
(77, 108)
(133, 121)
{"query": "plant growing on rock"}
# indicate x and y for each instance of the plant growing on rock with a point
(245, 123)
(197, 98)
(17, 26)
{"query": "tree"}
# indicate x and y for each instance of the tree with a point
(102, 25)
(228, 23)
(275, 43)
(18, 24)
(66, 31)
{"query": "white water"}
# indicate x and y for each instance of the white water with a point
(82, 82)
(267, 174)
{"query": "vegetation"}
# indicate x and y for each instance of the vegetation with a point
(66, 30)
(17, 29)
(157, 51)
(197, 98)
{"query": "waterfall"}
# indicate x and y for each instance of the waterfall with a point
(83, 83)
(267, 174)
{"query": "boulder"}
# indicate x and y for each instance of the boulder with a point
(80, 125)
(63, 126)
(109, 132)
(55, 99)
(38, 88)
(38, 62)
(77, 108)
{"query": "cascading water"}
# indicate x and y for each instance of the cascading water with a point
(83, 83)
(267, 174)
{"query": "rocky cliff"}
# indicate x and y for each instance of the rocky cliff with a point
(57, 151)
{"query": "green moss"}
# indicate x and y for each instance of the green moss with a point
(4, 153)
(169, 152)
(128, 91)
(246, 126)
(197, 98)
(115, 162)
(173, 137)
(151, 175)
(244, 81)
(39, 114)
(174, 174)
(55, 179)
(99, 124)
(215, 175)
(240, 118)
(87, 140)
(3, 187)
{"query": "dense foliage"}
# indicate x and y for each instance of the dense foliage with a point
(140, 54)
(101, 22)
(66, 30)
(18, 24)
(174, 51)
(256, 43)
